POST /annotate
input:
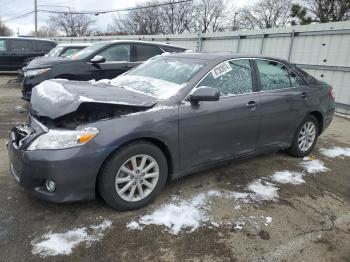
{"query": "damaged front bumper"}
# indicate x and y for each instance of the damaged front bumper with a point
(73, 170)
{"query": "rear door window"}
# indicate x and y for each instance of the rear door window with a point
(295, 80)
(117, 53)
(21, 46)
(43, 46)
(273, 75)
(145, 52)
(230, 78)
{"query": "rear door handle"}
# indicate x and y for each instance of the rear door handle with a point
(304, 95)
(251, 105)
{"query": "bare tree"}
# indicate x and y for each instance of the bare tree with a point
(321, 11)
(213, 15)
(143, 21)
(4, 30)
(72, 24)
(265, 14)
(45, 31)
(177, 18)
(173, 17)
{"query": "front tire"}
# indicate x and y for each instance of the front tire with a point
(133, 176)
(305, 137)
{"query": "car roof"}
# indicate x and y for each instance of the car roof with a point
(141, 42)
(74, 44)
(208, 56)
(26, 38)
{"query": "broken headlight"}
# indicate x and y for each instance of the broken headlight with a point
(60, 139)
(35, 72)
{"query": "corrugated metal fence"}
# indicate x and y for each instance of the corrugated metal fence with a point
(323, 50)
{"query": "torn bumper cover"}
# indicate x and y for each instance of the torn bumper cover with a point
(73, 170)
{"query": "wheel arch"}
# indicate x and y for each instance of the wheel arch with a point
(155, 141)
(319, 118)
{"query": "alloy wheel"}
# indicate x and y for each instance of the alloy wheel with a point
(137, 178)
(306, 136)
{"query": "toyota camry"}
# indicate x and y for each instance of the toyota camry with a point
(171, 116)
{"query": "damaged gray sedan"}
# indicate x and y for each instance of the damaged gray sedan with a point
(171, 116)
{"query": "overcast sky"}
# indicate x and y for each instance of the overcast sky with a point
(13, 8)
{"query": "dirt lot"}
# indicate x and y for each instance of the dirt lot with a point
(309, 221)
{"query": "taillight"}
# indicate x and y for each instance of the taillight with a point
(331, 93)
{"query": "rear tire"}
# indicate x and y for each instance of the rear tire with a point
(125, 182)
(305, 137)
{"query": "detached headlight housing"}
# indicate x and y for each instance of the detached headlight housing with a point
(61, 139)
(35, 72)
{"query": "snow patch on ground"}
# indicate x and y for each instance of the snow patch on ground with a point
(53, 244)
(134, 225)
(238, 226)
(268, 220)
(188, 215)
(184, 215)
(314, 166)
(252, 222)
(336, 152)
(288, 177)
(262, 191)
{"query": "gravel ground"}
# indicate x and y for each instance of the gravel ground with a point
(306, 222)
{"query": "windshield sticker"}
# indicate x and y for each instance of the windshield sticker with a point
(221, 69)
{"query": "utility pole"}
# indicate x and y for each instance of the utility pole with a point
(36, 17)
(234, 22)
(196, 5)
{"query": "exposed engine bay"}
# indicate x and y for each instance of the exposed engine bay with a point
(89, 112)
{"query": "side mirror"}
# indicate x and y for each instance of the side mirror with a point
(205, 93)
(97, 59)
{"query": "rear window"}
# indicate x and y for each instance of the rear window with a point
(145, 52)
(70, 51)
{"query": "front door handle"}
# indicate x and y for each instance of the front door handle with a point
(304, 95)
(251, 105)
(127, 67)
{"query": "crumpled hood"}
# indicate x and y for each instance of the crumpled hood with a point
(55, 98)
(43, 62)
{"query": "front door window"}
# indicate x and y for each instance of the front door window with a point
(230, 78)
